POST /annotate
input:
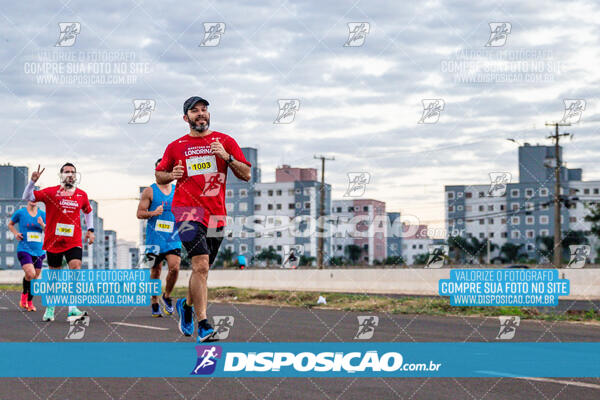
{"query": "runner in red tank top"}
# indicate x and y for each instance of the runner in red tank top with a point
(62, 235)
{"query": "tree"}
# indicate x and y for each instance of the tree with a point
(421, 259)
(337, 261)
(394, 260)
(546, 243)
(479, 248)
(510, 252)
(269, 255)
(225, 257)
(460, 249)
(353, 252)
(306, 260)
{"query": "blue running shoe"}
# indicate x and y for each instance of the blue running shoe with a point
(205, 330)
(167, 304)
(155, 311)
(186, 318)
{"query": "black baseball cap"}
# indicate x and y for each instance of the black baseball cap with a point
(191, 102)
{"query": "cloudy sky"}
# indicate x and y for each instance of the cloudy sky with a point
(360, 103)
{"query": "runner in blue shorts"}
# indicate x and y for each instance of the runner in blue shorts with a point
(31, 221)
(162, 240)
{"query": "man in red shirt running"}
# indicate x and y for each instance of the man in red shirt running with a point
(63, 226)
(199, 162)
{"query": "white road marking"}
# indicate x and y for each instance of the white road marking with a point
(574, 383)
(140, 326)
(548, 380)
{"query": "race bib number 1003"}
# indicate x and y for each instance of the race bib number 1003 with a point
(201, 165)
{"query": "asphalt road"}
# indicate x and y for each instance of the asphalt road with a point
(281, 324)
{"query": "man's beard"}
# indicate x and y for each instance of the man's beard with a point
(200, 128)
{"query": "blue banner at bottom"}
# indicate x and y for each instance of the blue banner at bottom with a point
(252, 359)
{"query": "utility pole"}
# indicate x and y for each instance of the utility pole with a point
(557, 198)
(322, 210)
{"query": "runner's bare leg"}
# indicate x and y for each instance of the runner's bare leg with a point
(198, 289)
(155, 274)
(173, 262)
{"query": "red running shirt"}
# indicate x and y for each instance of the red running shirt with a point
(200, 193)
(63, 221)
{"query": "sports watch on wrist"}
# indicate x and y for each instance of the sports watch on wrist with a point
(230, 159)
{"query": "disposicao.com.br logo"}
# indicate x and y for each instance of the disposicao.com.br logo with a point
(301, 363)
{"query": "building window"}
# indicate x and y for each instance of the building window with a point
(451, 209)
(270, 193)
(544, 219)
(468, 195)
(298, 191)
(544, 232)
(10, 247)
(529, 220)
(307, 204)
(243, 248)
(503, 221)
(229, 206)
(596, 191)
(586, 191)
(307, 191)
(338, 209)
(515, 220)
(257, 248)
(514, 206)
(229, 193)
(529, 233)
(502, 207)
(350, 209)
(9, 210)
(459, 208)
(529, 192)
(481, 221)
(572, 219)
(543, 192)
(503, 235)
(278, 206)
(278, 193)
(459, 221)
(514, 193)
(491, 221)
(291, 206)
(244, 206)
(365, 208)
(257, 193)
(269, 206)
(543, 206)
(468, 208)
(481, 194)
(529, 206)
(290, 192)
(459, 194)
(491, 207)
(491, 235)
(278, 233)
(515, 234)
(10, 261)
(298, 205)
(481, 208)
(243, 193)
(450, 195)
(257, 207)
